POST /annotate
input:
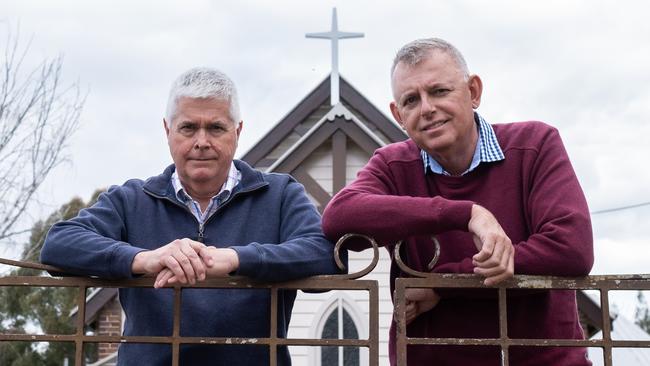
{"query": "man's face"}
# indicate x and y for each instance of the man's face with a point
(434, 103)
(202, 140)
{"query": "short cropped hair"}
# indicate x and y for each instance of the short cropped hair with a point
(414, 52)
(203, 82)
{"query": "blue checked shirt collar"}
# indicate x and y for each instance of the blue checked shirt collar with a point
(234, 177)
(487, 150)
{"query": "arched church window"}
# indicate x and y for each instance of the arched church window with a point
(339, 325)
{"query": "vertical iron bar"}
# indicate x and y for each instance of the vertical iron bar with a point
(373, 336)
(273, 344)
(503, 327)
(339, 147)
(400, 311)
(607, 329)
(339, 350)
(176, 327)
(81, 323)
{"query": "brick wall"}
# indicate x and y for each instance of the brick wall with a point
(109, 323)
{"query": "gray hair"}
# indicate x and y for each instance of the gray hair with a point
(203, 82)
(414, 52)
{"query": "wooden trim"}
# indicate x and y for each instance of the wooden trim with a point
(265, 162)
(312, 187)
(306, 148)
(318, 138)
(362, 139)
(314, 100)
(590, 309)
(94, 305)
(339, 163)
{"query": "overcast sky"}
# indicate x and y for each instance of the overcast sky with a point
(581, 66)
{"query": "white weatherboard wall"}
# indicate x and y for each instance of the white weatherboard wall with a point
(355, 160)
(319, 165)
(310, 309)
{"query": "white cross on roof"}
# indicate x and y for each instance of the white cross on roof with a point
(334, 34)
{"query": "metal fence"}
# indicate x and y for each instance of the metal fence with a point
(350, 281)
(604, 284)
(353, 281)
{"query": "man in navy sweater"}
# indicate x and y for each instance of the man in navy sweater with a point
(207, 215)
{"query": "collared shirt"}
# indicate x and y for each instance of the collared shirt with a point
(234, 177)
(487, 150)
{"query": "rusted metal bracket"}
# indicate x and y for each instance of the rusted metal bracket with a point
(406, 269)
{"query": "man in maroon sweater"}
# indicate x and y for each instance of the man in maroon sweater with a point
(500, 199)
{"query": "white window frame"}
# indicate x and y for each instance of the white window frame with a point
(340, 300)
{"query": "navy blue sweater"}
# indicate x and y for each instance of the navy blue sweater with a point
(268, 220)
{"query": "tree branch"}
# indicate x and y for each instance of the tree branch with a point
(37, 119)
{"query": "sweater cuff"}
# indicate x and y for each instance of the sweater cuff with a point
(123, 260)
(249, 261)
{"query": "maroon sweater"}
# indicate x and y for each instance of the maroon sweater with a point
(535, 196)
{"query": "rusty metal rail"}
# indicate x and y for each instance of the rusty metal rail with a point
(332, 282)
(604, 284)
(313, 283)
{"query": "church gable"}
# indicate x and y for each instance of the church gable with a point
(323, 146)
(312, 109)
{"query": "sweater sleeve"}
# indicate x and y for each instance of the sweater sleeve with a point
(91, 243)
(371, 206)
(303, 249)
(561, 241)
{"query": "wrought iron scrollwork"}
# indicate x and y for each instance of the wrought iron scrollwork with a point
(406, 269)
(364, 271)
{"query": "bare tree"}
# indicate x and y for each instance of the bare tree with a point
(37, 119)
